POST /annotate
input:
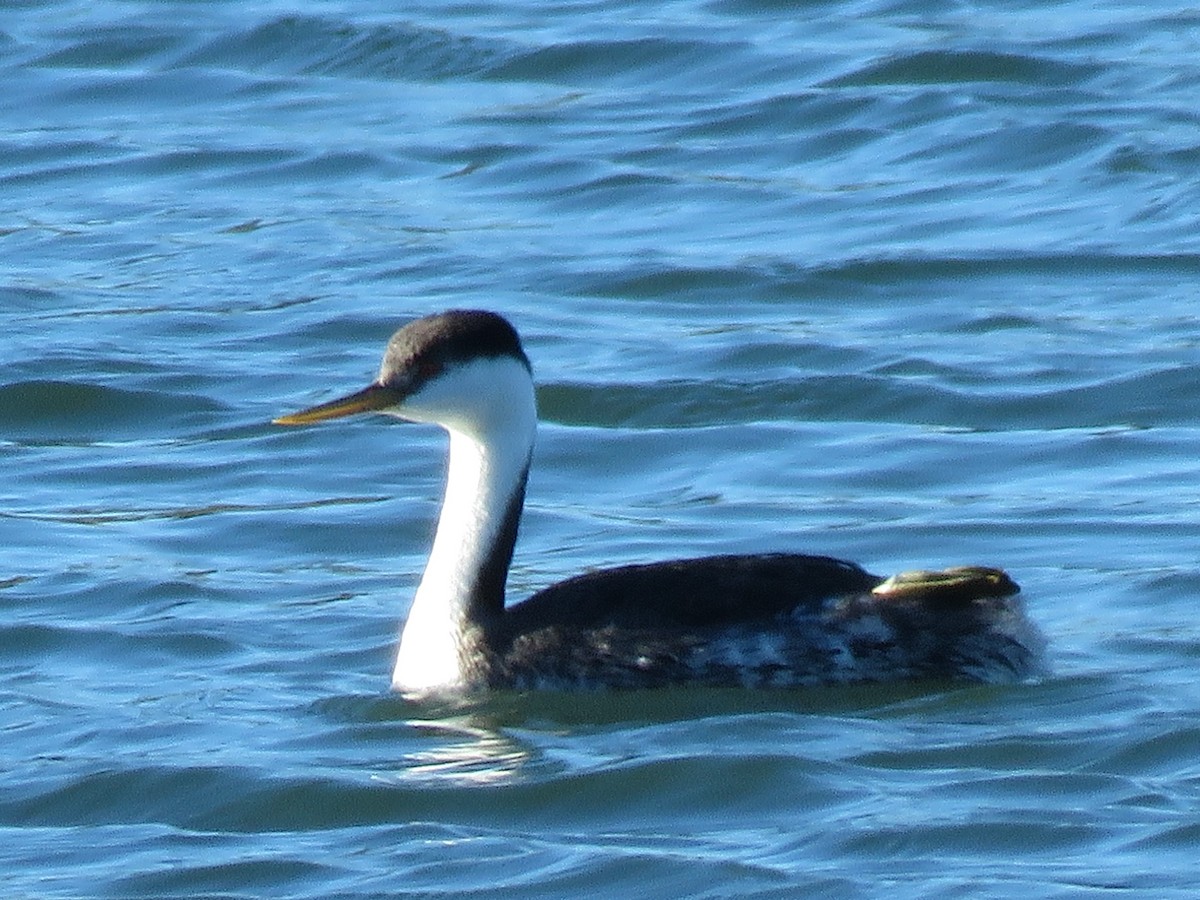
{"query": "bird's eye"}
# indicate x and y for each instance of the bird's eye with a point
(428, 368)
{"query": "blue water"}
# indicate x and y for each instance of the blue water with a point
(911, 283)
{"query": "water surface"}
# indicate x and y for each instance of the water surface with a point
(911, 283)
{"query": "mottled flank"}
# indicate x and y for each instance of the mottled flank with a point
(863, 632)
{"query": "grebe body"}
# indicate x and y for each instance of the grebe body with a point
(769, 620)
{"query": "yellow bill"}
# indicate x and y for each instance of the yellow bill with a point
(369, 399)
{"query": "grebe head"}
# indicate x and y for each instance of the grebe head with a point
(464, 370)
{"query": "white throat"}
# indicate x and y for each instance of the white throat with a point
(488, 408)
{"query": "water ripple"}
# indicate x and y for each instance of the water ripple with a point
(332, 47)
(900, 281)
(970, 66)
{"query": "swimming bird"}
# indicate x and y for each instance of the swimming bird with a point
(767, 620)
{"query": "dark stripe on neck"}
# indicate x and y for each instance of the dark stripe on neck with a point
(486, 603)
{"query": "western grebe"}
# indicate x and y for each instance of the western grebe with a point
(751, 620)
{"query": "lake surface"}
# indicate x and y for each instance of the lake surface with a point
(910, 283)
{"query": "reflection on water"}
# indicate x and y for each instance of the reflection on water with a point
(461, 753)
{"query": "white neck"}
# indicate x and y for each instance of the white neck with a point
(490, 444)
